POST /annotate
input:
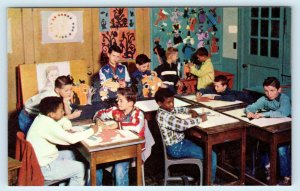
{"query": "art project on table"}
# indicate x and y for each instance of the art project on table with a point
(213, 118)
(261, 122)
(211, 103)
(151, 105)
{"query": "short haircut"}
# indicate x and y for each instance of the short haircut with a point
(62, 81)
(50, 104)
(221, 78)
(272, 81)
(114, 48)
(162, 94)
(129, 93)
(170, 51)
(142, 59)
(202, 51)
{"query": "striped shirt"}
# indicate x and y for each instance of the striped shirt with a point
(172, 127)
(168, 73)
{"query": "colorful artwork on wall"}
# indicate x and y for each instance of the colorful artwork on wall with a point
(117, 27)
(186, 29)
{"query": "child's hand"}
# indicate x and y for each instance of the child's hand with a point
(204, 117)
(194, 113)
(198, 95)
(179, 84)
(258, 115)
(122, 83)
(95, 128)
(190, 64)
(153, 73)
(251, 115)
(76, 113)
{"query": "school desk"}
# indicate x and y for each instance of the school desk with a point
(270, 133)
(110, 153)
(219, 134)
(212, 104)
(13, 167)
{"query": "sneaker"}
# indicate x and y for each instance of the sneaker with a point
(267, 171)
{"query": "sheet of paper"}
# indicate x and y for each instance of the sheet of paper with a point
(261, 122)
(214, 118)
(151, 105)
(213, 103)
(110, 136)
(80, 128)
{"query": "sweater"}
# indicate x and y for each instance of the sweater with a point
(205, 74)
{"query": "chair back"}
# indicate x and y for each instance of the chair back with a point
(163, 144)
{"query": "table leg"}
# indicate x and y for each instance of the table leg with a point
(207, 163)
(273, 161)
(243, 156)
(139, 165)
(93, 171)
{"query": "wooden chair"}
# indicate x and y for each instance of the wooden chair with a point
(169, 161)
(30, 165)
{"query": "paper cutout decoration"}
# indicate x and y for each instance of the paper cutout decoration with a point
(150, 85)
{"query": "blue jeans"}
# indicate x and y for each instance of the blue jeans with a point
(25, 120)
(284, 157)
(187, 148)
(65, 166)
(120, 173)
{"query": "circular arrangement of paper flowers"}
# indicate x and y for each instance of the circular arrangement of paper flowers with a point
(62, 25)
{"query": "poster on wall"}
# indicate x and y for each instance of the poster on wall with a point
(61, 26)
(48, 72)
(117, 27)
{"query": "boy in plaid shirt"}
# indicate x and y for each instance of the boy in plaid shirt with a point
(172, 128)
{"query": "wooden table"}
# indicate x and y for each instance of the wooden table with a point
(222, 134)
(13, 167)
(219, 109)
(272, 135)
(110, 153)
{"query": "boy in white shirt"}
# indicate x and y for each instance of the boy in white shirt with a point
(46, 131)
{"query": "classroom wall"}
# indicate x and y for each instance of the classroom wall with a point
(25, 47)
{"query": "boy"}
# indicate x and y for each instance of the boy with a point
(115, 72)
(275, 104)
(206, 72)
(167, 71)
(45, 132)
(172, 128)
(129, 118)
(220, 87)
(144, 79)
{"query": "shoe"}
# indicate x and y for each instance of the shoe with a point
(267, 171)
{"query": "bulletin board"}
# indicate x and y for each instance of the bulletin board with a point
(29, 81)
(186, 29)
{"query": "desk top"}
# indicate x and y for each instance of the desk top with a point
(13, 164)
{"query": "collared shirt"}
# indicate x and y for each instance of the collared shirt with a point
(279, 107)
(172, 127)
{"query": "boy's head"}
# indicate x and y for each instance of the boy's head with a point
(164, 97)
(172, 54)
(63, 86)
(272, 87)
(114, 54)
(142, 62)
(220, 83)
(126, 98)
(202, 54)
(52, 107)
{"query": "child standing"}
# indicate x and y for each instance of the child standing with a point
(46, 132)
(151, 84)
(220, 87)
(167, 71)
(172, 128)
(275, 104)
(129, 118)
(206, 72)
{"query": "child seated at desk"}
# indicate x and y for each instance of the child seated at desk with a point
(172, 128)
(46, 132)
(275, 104)
(129, 118)
(145, 80)
(220, 87)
